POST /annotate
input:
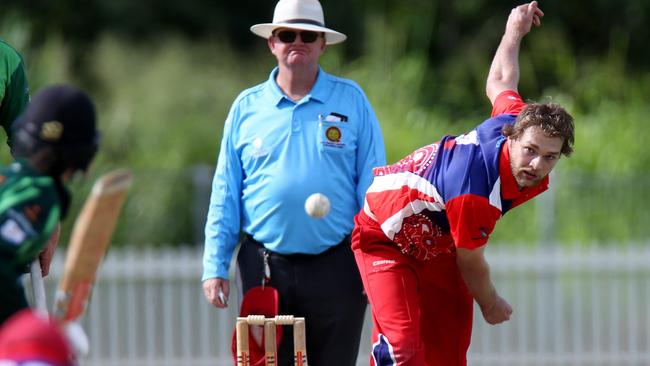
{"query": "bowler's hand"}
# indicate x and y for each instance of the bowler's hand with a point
(213, 287)
(498, 312)
(46, 255)
(522, 18)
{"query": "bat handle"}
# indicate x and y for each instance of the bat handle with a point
(38, 288)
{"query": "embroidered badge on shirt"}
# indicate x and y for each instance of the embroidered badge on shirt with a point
(12, 232)
(331, 130)
(258, 148)
(333, 137)
(333, 134)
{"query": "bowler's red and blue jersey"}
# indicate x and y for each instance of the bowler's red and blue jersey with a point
(451, 193)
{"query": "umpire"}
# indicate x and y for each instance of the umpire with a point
(300, 132)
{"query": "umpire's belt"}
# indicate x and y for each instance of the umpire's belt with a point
(345, 243)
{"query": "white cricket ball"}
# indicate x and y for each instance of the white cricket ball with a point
(317, 205)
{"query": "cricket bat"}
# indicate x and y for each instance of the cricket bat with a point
(89, 241)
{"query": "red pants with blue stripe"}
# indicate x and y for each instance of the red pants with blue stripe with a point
(422, 311)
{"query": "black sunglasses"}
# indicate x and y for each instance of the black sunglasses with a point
(289, 36)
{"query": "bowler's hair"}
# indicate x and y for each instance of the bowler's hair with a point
(554, 120)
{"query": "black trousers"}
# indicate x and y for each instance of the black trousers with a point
(326, 289)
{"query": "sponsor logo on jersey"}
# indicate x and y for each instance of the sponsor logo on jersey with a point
(12, 233)
(470, 138)
(383, 262)
(483, 232)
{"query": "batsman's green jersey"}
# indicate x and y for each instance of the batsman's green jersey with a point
(14, 91)
(30, 208)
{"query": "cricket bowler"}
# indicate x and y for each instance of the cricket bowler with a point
(420, 238)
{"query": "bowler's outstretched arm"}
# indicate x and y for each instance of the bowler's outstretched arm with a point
(504, 71)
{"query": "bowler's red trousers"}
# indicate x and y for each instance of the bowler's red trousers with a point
(422, 311)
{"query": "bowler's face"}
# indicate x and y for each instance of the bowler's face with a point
(296, 53)
(533, 155)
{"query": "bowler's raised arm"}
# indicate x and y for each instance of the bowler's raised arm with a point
(504, 71)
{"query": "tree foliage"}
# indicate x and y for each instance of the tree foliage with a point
(163, 74)
(436, 27)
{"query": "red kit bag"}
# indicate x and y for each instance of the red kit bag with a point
(260, 300)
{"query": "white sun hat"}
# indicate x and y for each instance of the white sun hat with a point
(299, 14)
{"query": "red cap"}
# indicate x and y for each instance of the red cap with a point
(29, 337)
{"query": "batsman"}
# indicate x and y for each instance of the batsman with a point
(52, 140)
(420, 238)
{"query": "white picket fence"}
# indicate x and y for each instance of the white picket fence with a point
(583, 306)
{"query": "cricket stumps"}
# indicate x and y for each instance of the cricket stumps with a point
(270, 344)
